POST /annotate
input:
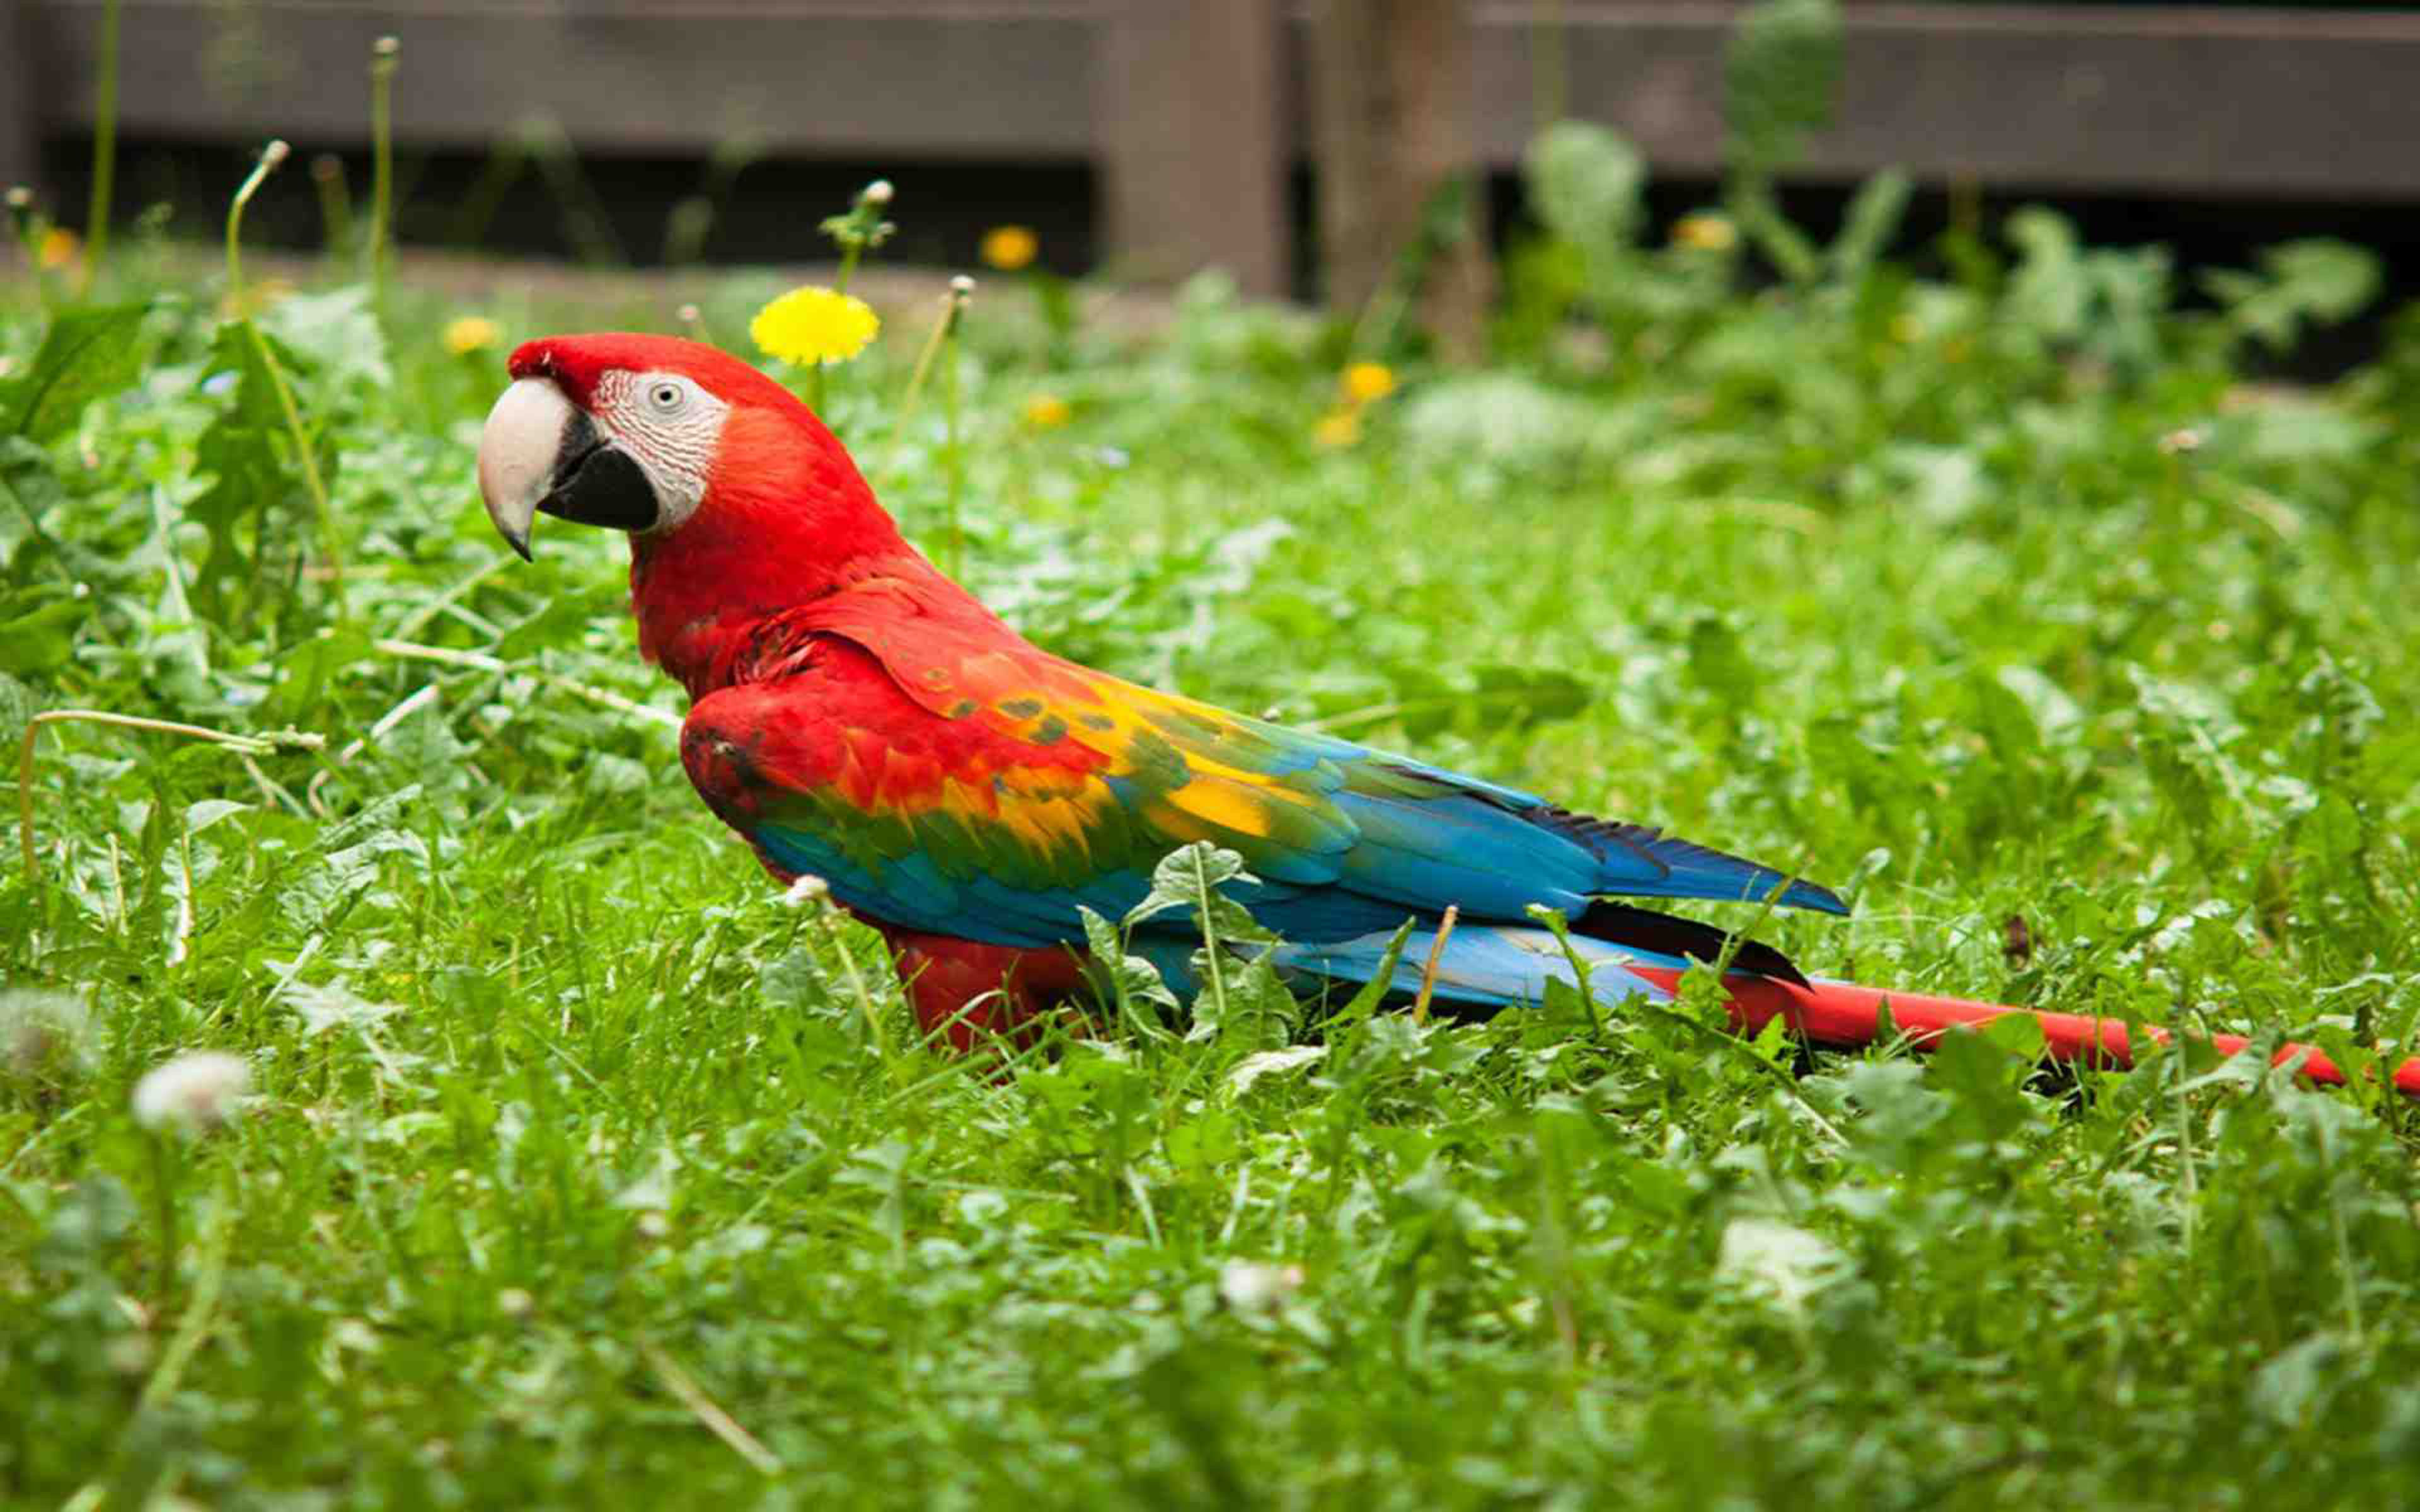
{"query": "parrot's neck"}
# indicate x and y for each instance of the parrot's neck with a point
(717, 607)
(787, 532)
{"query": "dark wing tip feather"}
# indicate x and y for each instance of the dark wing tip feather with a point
(1669, 935)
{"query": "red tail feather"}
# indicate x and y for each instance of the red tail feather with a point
(1842, 1014)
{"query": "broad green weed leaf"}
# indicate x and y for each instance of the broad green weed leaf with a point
(39, 636)
(335, 331)
(88, 354)
(256, 485)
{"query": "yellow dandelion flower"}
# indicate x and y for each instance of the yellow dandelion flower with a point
(1009, 248)
(1337, 428)
(814, 324)
(471, 334)
(59, 247)
(1366, 381)
(1705, 232)
(1046, 411)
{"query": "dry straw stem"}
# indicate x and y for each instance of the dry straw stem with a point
(703, 1408)
(480, 662)
(261, 745)
(1428, 973)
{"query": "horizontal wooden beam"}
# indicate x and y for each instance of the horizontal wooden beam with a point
(2153, 99)
(2150, 99)
(911, 78)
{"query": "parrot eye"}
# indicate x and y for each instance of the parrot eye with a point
(665, 396)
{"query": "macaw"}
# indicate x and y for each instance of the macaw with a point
(858, 716)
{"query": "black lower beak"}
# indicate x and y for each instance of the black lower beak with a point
(600, 484)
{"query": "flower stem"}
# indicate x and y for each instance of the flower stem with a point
(954, 452)
(817, 389)
(961, 289)
(271, 156)
(104, 151)
(336, 203)
(382, 66)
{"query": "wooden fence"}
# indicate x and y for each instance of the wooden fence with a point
(1193, 109)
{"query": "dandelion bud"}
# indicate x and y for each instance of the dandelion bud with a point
(191, 1094)
(807, 889)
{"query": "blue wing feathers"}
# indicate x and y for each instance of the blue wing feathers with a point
(1490, 965)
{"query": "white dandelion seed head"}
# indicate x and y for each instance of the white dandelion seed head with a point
(191, 1094)
(41, 1030)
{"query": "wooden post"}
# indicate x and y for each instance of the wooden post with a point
(20, 125)
(1391, 113)
(1188, 126)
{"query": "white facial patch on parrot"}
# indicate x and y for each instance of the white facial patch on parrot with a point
(671, 427)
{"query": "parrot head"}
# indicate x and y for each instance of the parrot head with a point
(631, 432)
(738, 501)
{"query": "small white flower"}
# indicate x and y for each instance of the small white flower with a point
(805, 890)
(513, 1303)
(877, 193)
(1254, 1287)
(191, 1094)
(1783, 1264)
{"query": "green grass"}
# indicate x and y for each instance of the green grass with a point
(1988, 598)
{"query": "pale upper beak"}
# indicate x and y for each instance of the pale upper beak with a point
(518, 452)
(541, 452)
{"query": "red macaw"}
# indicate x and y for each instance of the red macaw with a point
(858, 716)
